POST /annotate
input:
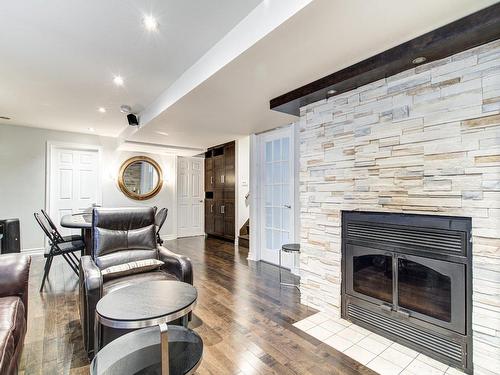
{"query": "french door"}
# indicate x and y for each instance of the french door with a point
(277, 191)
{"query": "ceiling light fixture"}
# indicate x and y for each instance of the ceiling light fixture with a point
(330, 93)
(102, 109)
(91, 129)
(419, 60)
(4, 118)
(162, 133)
(150, 23)
(118, 80)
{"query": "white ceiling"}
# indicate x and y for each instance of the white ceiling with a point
(58, 57)
(325, 36)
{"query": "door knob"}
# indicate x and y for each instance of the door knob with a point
(287, 206)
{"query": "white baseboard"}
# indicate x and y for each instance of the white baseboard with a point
(33, 251)
(169, 237)
(251, 256)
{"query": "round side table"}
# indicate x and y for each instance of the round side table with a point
(155, 348)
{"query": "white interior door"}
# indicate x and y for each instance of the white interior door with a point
(190, 197)
(74, 182)
(277, 183)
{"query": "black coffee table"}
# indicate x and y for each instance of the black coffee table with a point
(157, 349)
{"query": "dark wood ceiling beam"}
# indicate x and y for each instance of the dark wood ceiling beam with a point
(471, 31)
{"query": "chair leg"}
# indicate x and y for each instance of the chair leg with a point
(70, 263)
(74, 265)
(73, 255)
(48, 263)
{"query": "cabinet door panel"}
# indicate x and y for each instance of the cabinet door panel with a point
(219, 217)
(209, 216)
(219, 172)
(229, 166)
(219, 225)
(220, 182)
(229, 223)
(209, 174)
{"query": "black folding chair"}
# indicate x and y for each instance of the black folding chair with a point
(61, 238)
(56, 247)
(160, 218)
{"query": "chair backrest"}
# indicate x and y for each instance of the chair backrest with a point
(42, 222)
(160, 218)
(55, 231)
(122, 235)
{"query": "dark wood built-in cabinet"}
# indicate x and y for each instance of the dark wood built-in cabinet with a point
(220, 191)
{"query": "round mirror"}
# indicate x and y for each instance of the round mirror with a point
(140, 178)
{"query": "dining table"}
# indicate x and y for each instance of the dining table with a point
(82, 221)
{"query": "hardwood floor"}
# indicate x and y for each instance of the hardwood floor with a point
(243, 316)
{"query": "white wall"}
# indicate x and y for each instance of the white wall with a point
(243, 181)
(22, 177)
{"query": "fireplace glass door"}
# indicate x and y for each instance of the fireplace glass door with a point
(432, 290)
(372, 274)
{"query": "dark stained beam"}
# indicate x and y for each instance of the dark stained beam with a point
(471, 31)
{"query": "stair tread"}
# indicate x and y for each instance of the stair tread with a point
(245, 236)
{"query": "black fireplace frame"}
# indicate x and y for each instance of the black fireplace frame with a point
(405, 329)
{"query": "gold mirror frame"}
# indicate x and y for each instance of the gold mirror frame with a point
(131, 194)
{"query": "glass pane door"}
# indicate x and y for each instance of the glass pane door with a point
(277, 162)
(432, 290)
(424, 290)
(372, 276)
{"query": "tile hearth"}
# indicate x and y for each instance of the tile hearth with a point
(382, 355)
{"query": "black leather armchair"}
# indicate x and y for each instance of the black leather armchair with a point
(121, 236)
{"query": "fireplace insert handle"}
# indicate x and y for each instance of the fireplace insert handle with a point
(403, 313)
(386, 307)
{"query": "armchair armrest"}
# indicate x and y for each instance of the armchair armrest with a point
(90, 293)
(177, 264)
(14, 276)
(91, 275)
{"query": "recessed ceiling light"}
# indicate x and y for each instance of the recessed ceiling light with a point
(419, 60)
(162, 133)
(4, 118)
(91, 130)
(102, 109)
(118, 80)
(150, 23)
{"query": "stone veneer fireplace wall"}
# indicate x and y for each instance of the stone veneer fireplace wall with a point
(424, 141)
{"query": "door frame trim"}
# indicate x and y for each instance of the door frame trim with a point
(50, 147)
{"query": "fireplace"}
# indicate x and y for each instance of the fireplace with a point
(408, 277)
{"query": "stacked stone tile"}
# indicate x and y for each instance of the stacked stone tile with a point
(426, 140)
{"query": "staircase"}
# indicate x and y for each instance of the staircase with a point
(244, 237)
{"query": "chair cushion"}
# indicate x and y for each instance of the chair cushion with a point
(121, 282)
(72, 237)
(118, 229)
(131, 268)
(124, 256)
(67, 247)
(12, 329)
